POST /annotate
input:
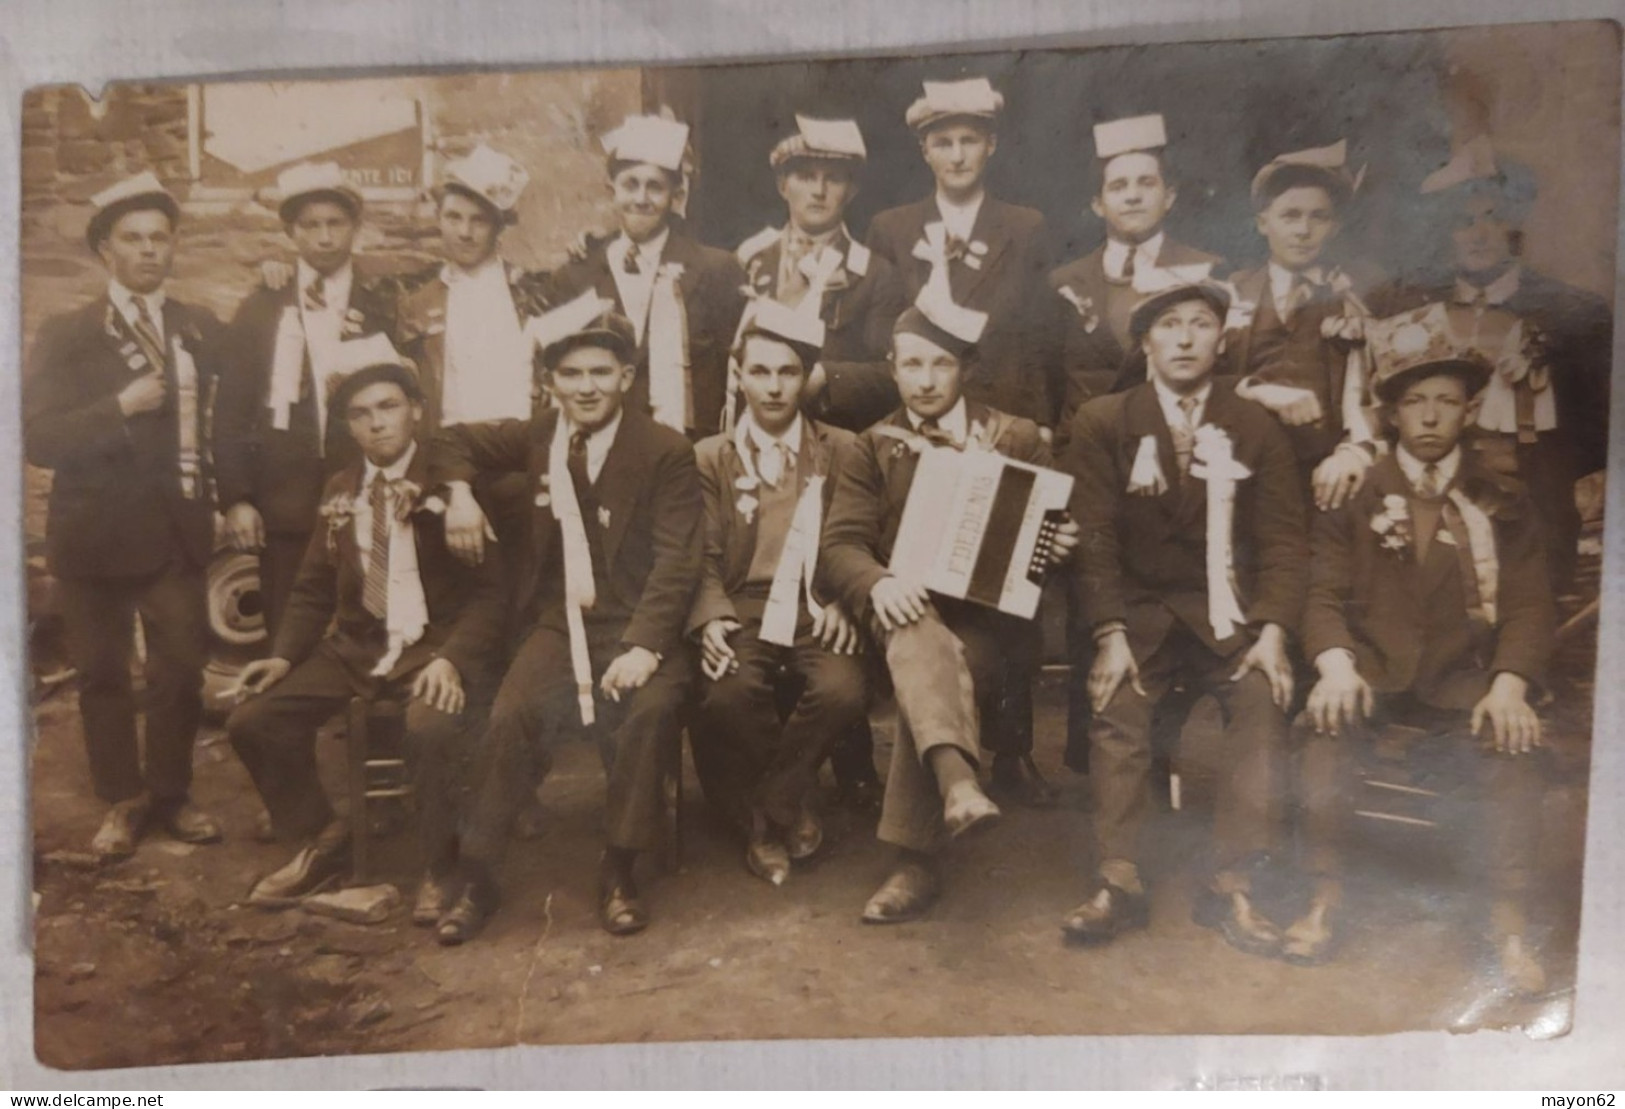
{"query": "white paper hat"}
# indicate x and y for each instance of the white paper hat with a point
(309, 178)
(828, 139)
(143, 190)
(1123, 136)
(653, 140)
(490, 176)
(973, 98)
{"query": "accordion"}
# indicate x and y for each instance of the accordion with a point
(980, 527)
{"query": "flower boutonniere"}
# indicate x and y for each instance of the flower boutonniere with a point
(406, 498)
(339, 512)
(1239, 316)
(1395, 533)
(746, 503)
(353, 323)
(603, 517)
(1085, 307)
(670, 271)
(544, 492)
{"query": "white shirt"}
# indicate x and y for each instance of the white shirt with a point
(598, 444)
(1145, 255)
(323, 328)
(403, 551)
(1499, 291)
(1169, 400)
(1414, 468)
(1282, 280)
(635, 289)
(959, 219)
(489, 368)
(124, 300)
(766, 442)
(956, 421)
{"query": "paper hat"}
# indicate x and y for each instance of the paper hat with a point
(490, 177)
(797, 326)
(589, 319)
(832, 140)
(935, 316)
(1420, 343)
(1326, 166)
(143, 192)
(1165, 286)
(312, 181)
(356, 363)
(1475, 168)
(1124, 136)
(974, 98)
(653, 140)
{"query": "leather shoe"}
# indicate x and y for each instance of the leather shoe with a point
(768, 860)
(1016, 777)
(316, 865)
(906, 895)
(121, 828)
(806, 836)
(1244, 928)
(621, 911)
(967, 809)
(1109, 913)
(464, 920)
(190, 824)
(1310, 940)
(436, 896)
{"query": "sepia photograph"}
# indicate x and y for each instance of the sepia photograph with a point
(1040, 542)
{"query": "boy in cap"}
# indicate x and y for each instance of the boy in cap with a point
(1429, 606)
(275, 438)
(766, 639)
(951, 661)
(407, 620)
(683, 299)
(993, 256)
(1193, 570)
(617, 544)
(1294, 326)
(114, 405)
(813, 257)
(1544, 414)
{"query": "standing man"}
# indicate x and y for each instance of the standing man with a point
(684, 299)
(114, 405)
(990, 256)
(1429, 606)
(1544, 414)
(275, 438)
(618, 541)
(951, 661)
(1295, 324)
(858, 293)
(766, 639)
(1193, 570)
(408, 620)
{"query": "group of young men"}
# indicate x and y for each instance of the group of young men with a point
(658, 489)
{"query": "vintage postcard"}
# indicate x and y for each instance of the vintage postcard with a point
(1048, 542)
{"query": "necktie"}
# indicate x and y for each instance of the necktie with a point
(147, 332)
(1184, 434)
(630, 265)
(1296, 298)
(576, 460)
(1128, 265)
(375, 588)
(316, 295)
(771, 463)
(954, 247)
(935, 433)
(792, 282)
(1430, 485)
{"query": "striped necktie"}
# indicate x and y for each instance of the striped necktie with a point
(1183, 434)
(316, 295)
(375, 588)
(146, 333)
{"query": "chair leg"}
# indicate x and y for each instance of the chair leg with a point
(356, 745)
(672, 788)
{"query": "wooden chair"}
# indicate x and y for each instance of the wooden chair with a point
(375, 743)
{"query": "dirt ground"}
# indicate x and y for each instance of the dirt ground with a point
(153, 961)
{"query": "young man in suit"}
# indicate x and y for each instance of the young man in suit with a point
(766, 640)
(275, 438)
(990, 255)
(1181, 484)
(1295, 323)
(859, 293)
(1544, 416)
(1429, 605)
(408, 621)
(114, 405)
(684, 299)
(618, 542)
(951, 661)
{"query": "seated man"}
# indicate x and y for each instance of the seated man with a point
(951, 661)
(762, 634)
(617, 543)
(408, 620)
(1429, 605)
(1193, 569)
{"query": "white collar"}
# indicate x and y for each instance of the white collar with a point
(1499, 291)
(1145, 253)
(1169, 401)
(336, 285)
(791, 439)
(393, 472)
(955, 421)
(652, 248)
(125, 299)
(603, 437)
(960, 219)
(489, 271)
(1414, 467)
(818, 241)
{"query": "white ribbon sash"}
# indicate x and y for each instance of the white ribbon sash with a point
(406, 609)
(1498, 403)
(670, 395)
(580, 592)
(1214, 461)
(186, 415)
(792, 578)
(1481, 548)
(1146, 477)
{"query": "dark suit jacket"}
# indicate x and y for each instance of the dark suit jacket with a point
(1143, 558)
(468, 609)
(730, 539)
(873, 477)
(116, 508)
(282, 472)
(421, 331)
(713, 298)
(1091, 356)
(653, 544)
(1017, 357)
(858, 311)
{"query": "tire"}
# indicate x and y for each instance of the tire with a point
(237, 633)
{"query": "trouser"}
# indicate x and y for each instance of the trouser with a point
(98, 619)
(1080, 656)
(280, 560)
(1505, 813)
(950, 670)
(536, 710)
(274, 734)
(1247, 810)
(1551, 477)
(747, 756)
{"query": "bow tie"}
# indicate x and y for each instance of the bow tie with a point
(954, 247)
